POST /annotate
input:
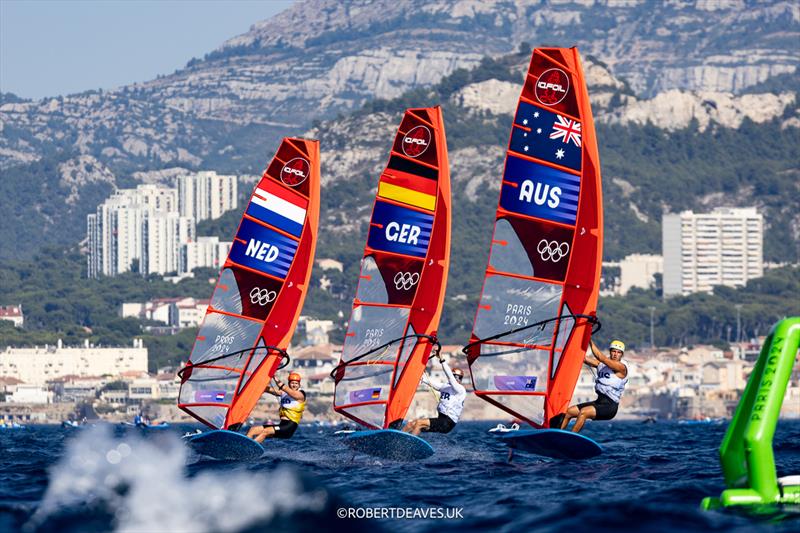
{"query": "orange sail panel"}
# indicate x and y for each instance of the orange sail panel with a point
(260, 292)
(400, 291)
(539, 298)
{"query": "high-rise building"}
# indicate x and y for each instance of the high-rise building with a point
(203, 252)
(207, 195)
(120, 236)
(639, 270)
(724, 247)
(164, 235)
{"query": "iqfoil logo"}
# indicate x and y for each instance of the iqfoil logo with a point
(295, 172)
(416, 141)
(552, 86)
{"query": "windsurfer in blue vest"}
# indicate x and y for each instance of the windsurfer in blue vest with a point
(451, 402)
(293, 403)
(612, 376)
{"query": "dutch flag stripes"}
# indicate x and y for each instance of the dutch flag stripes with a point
(278, 207)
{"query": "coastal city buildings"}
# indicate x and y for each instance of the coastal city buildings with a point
(175, 312)
(12, 313)
(38, 365)
(724, 247)
(700, 382)
(151, 229)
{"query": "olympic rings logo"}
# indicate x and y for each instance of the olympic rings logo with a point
(403, 281)
(262, 296)
(552, 250)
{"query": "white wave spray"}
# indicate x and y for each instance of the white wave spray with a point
(145, 486)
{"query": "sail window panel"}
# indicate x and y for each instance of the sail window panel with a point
(510, 368)
(371, 327)
(509, 303)
(371, 287)
(371, 414)
(527, 406)
(364, 383)
(226, 295)
(508, 254)
(259, 354)
(565, 327)
(213, 415)
(223, 334)
(210, 385)
(405, 353)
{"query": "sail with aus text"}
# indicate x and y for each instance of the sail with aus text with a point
(539, 297)
(260, 292)
(400, 292)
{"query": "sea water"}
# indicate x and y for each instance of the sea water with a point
(651, 477)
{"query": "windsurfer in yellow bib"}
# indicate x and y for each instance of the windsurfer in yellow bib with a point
(612, 376)
(293, 403)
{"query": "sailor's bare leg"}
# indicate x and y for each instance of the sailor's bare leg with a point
(267, 433)
(422, 423)
(253, 431)
(571, 413)
(587, 413)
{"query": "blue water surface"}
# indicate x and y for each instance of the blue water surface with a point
(651, 477)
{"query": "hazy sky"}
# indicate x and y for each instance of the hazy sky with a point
(51, 48)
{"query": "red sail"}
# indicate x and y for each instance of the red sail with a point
(401, 288)
(259, 294)
(539, 297)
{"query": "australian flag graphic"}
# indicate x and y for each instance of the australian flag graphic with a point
(547, 136)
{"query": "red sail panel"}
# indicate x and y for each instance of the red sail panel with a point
(403, 276)
(533, 322)
(259, 293)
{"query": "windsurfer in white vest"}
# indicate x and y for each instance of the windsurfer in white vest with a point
(293, 403)
(451, 402)
(612, 376)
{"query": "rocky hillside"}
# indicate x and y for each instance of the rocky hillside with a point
(321, 57)
(713, 67)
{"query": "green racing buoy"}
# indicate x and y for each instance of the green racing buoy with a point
(746, 453)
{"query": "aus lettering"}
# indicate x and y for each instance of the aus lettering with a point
(540, 193)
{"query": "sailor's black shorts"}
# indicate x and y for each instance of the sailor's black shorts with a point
(285, 429)
(605, 407)
(441, 424)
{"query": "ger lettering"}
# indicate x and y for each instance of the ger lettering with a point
(403, 233)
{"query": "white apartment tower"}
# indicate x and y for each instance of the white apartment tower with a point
(724, 247)
(164, 235)
(203, 252)
(207, 195)
(136, 226)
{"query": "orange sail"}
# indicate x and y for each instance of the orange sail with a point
(400, 292)
(260, 292)
(539, 298)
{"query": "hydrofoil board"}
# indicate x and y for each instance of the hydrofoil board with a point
(389, 444)
(225, 445)
(555, 443)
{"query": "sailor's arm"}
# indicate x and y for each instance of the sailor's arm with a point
(275, 391)
(451, 379)
(592, 360)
